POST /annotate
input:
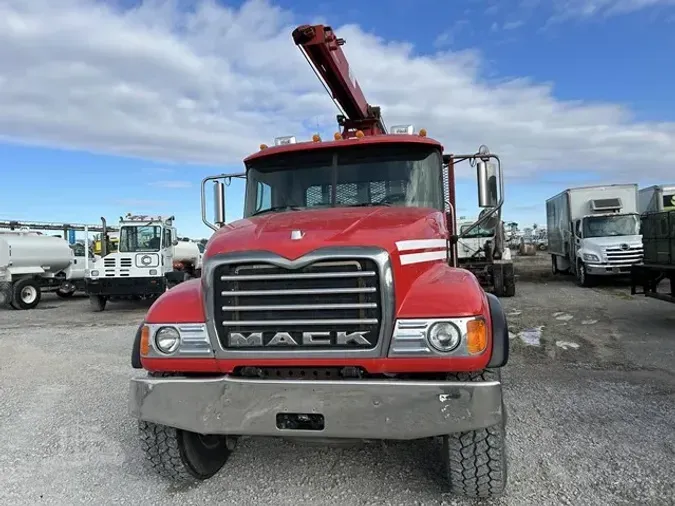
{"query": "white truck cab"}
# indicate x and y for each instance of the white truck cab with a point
(594, 231)
(142, 267)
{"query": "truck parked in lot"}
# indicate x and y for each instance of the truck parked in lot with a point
(484, 252)
(656, 198)
(594, 231)
(658, 266)
(143, 265)
(32, 263)
(334, 309)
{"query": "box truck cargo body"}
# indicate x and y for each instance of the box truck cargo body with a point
(594, 231)
(656, 198)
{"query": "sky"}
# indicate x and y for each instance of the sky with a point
(116, 106)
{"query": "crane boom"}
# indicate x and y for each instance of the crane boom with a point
(323, 51)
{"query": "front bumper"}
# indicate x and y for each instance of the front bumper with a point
(120, 286)
(607, 269)
(359, 409)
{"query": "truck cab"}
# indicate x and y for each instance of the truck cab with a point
(141, 266)
(608, 244)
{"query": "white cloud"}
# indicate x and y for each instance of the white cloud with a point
(171, 184)
(590, 8)
(210, 85)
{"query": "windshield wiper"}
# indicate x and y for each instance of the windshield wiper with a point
(278, 208)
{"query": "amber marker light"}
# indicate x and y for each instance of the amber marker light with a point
(145, 340)
(337, 136)
(423, 132)
(476, 336)
(263, 146)
(316, 138)
(360, 134)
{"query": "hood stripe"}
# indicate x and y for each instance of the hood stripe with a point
(421, 244)
(416, 258)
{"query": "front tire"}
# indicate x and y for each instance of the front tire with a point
(64, 295)
(475, 461)
(583, 278)
(26, 294)
(183, 456)
(97, 302)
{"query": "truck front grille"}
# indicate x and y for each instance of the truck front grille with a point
(326, 305)
(618, 256)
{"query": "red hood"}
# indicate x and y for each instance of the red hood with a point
(362, 226)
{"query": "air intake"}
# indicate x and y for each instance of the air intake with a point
(606, 205)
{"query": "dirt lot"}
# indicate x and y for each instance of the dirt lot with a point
(590, 390)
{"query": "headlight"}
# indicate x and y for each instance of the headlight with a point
(146, 260)
(444, 336)
(590, 257)
(167, 339)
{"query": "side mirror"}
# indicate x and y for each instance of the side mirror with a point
(486, 173)
(219, 203)
(174, 242)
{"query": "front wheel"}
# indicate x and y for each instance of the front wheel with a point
(583, 278)
(97, 302)
(183, 456)
(63, 294)
(475, 461)
(26, 294)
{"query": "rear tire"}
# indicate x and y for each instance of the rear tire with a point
(26, 294)
(97, 302)
(475, 461)
(183, 456)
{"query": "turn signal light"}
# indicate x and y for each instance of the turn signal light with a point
(476, 336)
(145, 340)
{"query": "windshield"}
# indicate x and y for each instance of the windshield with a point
(479, 231)
(140, 238)
(609, 226)
(396, 175)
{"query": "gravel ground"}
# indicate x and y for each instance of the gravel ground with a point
(590, 390)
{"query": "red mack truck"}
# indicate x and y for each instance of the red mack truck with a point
(334, 309)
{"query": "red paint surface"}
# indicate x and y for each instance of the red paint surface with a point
(373, 365)
(182, 304)
(428, 289)
(368, 140)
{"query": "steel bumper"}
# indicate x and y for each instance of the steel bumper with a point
(351, 409)
(607, 270)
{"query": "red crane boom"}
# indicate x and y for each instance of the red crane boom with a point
(323, 51)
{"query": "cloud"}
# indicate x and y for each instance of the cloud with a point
(209, 84)
(171, 184)
(566, 9)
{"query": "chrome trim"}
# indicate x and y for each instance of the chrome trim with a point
(271, 323)
(361, 409)
(387, 301)
(310, 291)
(302, 275)
(409, 338)
(293, 307)
(194, 341)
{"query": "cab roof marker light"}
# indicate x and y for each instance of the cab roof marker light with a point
(402, 130)
(283, 141)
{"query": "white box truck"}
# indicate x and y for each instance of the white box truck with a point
(656, 198)
(594, 231)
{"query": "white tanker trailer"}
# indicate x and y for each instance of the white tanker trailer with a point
(187, 257)
(31, 264)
